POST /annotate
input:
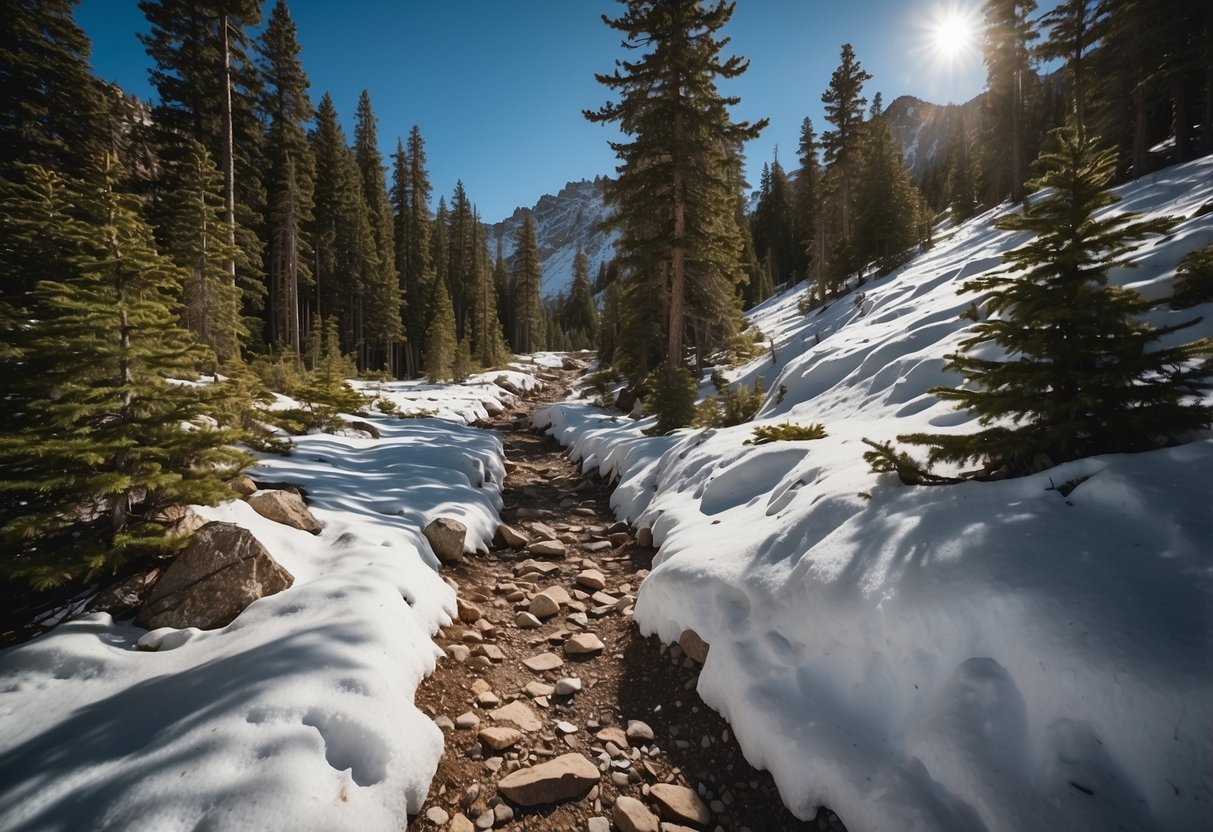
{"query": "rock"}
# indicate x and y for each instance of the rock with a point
(566, 727)
(490, 651)
(638, 730)
(618, 539)
(693, 645)
(567, 687)
(601, 599)
(583, 644)
(614, 735)
(519, 714)
(532, 565)
(544, 531)
(437, 815)
(542, 662)
(598, 824)
(502, 813)
(286, 508)
(644, 538)
(536, 689)
(365, 427)
(467, 613)
(625, 399)
(243, 485)
(666, 826)
(499, 737)
(446, 537)
(444, 722)
(543, 606)
(678, 803)
(459, 652)
(488, 699)
(466, 720)
(591, 579)
(222, 570)
(547, 548)
(596, 546)
(460, 823)
(564, 778)
(485, 820)
(527, 621)
(179, 520)
(633, 816)
(509, 537)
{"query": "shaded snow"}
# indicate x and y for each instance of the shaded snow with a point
(985, 656)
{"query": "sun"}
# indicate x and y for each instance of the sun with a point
(952, 33)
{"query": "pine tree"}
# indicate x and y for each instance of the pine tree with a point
(52, 112)
(461, 259)
(1077, 378)
(961, 184)
(488, 346)
(581, 314)
(383, 318)
(1009, 33)
(412, 206)
(97, 452)
(1072, 27)
(289, 176)
(805, 207)
(886, 202)
(441, 344)
(844, 103)
(196, 238)
(679, 172)
(527, 275)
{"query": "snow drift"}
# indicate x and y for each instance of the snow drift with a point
(984, 656)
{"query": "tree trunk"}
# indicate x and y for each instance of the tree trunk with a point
(678, 252)
(229, 164)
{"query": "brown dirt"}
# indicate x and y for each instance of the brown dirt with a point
(633, 678)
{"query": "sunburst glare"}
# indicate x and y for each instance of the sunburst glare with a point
(951, 35)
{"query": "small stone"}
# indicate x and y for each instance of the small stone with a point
(543, 606)
(644, 538)
(494, 764)
(536, 689)
(596, 546)
(459, 652)
(543, 662)
(467, 720)
(566, 727)
(444, 722)
(598, 824)
(592, 579)
(633, 816)
(604, 600)
(460, 823)
(580, 619)
(526, 621)
(638, 730)
(437, 815)
(467, 613)
(693, 645)
(502, 813)
(563, 778)
(499, 737)
(613, 735)
(509, 537)
(491, 651)
(544, 531)
(285, 507)
(485, 820)
(583, 644)
(488, 699)
(567, 687)
(519, 714)
(547, 548)
(618, 539)
(678, 803)
(446, 537)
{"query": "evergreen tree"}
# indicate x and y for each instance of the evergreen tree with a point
(196, 238)
(805, 206)
(608, 329)
(1072, 29)
(461, 259)
(488, 346)
(52, 112)
(844, 103)
(96, 452)
(417, 263)
(581, 315)
(289, 177)
(886, 201)
(527, 274)
(1077, 378)
(774, 233)
(441, 345)
(962, 173)
(384, 322)
(1007, 53)
(679, 172)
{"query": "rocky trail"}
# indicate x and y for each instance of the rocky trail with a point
(557, 714)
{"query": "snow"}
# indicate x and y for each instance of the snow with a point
(299, 714)
(984, 656)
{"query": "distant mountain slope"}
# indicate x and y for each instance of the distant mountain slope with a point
(563, 222)
(922, 128)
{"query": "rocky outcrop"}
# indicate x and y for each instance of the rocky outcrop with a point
(285, 507)
(222, 570)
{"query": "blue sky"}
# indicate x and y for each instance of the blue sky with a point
(498, 88)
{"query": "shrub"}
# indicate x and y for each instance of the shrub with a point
(787, 432)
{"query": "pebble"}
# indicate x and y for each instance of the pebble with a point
(467, 720)
(437, 815)
(568, 686)
(444, 722)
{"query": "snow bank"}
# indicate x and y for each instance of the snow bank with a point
(986, 656)
(478, 398)
(299, 714)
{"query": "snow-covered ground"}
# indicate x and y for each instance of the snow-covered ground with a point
(299, 714)
(985, 656)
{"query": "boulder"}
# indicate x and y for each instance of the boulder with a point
(678, 803)
(564, 778)
(509, 537)
(446, 537)
(243, 485)
(693, 645)
(222, 570)
(285, 507)
(633, 816)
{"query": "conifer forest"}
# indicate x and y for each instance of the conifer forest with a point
(328, 501)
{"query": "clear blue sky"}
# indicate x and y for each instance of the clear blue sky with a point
(498, 87)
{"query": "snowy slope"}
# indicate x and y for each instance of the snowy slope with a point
(562, 223)
(985, 656)
(299, 714)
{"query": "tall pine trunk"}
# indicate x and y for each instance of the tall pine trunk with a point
(229, 160)
(678, 252)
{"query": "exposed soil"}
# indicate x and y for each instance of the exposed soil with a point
(633, 678)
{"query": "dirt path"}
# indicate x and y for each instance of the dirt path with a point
(679, 741)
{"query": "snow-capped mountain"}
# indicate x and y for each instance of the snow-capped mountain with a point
(563, 222)
(922, 129)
